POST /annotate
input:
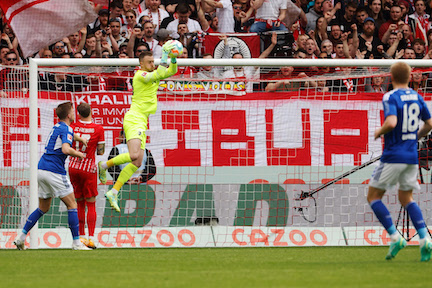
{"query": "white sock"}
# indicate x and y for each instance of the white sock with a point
(104, 165)
(91, 238)
(22, 237)
(114, 191)
(77, 242)
(422, 242)
(395, 236)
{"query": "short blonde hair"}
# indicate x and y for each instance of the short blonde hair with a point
(400, 73)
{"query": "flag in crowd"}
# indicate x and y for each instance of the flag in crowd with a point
(51, 20)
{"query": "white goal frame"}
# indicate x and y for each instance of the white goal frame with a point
(35, 63)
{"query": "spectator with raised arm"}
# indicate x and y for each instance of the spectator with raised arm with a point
(77, 41)
(346, 19)
(182, 14)
(155, 13)
(115, 38)
(393, 44)
(392, 25)
(101, 23)
(242, 16)
(136, 40)
(171, 5)
(149, 33)
(269, 15)
(224, 12)
(368, 36)
(93, 47)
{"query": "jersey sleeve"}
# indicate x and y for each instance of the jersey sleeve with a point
(67, 135)
(101, 139)
(160, 73)
(390, 105)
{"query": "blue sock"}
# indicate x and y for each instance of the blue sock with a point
(32, 219)
(417, 218)
(73, 223)
(383, 215)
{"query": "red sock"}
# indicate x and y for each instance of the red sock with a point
(81, 216)
(91, 217)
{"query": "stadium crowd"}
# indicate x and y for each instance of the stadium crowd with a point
(357, 29)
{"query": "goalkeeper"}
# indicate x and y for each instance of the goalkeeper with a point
(144, 102)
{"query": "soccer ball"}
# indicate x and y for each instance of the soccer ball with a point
(177, 50)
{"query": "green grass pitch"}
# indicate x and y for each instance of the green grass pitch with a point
(215, 267)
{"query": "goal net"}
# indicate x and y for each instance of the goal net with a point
(242, 149)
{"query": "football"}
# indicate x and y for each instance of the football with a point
(177, 50)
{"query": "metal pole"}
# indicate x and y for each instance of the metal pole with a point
(34, 157)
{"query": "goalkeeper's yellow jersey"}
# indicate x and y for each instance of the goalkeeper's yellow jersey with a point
(145, 87)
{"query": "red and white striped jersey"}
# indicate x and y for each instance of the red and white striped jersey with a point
(95, 135)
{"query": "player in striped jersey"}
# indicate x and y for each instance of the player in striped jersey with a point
(52, 178)
(144, 102)
(403, 110)
(83, 172)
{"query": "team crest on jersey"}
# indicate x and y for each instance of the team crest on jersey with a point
(144, 74)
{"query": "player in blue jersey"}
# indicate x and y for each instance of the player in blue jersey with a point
(403, 110)
(52, 178)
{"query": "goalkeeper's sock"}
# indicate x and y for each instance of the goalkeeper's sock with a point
(31, 221)
(417, 218)
(383, 215)
(81, 216)
(74, 224)
(124, 176)
(91, 217)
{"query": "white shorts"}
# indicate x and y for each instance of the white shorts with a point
(53, 185)
(386, 175)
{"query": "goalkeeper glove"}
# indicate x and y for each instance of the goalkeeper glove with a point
(166, 49)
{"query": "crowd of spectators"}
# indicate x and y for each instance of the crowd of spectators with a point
(358, 29)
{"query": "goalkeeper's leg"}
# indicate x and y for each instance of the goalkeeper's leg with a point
(136, 154)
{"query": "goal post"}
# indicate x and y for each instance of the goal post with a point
(252, 191)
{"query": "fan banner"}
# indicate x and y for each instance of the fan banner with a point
(248, 45)
(231, 131)
(50, 19)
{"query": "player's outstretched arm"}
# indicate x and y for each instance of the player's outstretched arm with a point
(68, 150)
(80, 139)
(425, 129)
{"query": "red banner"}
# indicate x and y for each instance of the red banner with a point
(248, 45)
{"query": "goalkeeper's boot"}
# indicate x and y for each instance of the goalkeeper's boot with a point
(90, 244)
(395, 247)
(113, 200)
(102, 173)
(20, 245)
(426, 250)
(80, 246)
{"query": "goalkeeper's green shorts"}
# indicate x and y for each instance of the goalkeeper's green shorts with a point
(135, 126)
